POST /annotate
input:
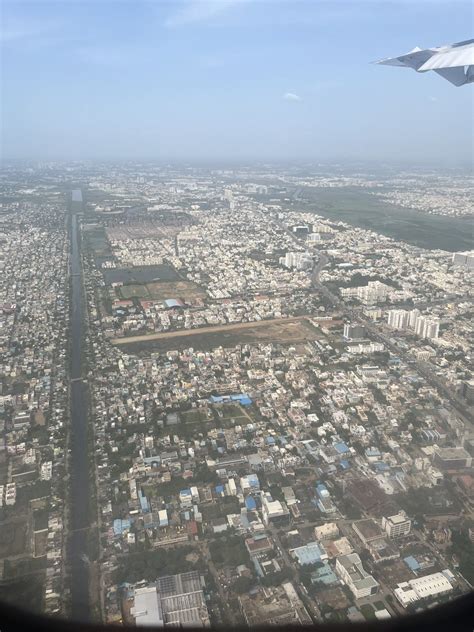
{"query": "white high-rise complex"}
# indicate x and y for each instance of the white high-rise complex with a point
(298, 260)
(398, 319)
(370, 294)
(423, 326)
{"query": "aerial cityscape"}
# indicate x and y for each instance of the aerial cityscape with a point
(235, 394)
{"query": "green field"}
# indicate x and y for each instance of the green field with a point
(133, 291)
(359, 208)
(194, 416)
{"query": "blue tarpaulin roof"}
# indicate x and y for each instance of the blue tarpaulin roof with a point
(322, 490)
(121, 525)
(250, 503)
(145, 507)
(253, 480)
(309, 554)
(242, 398)
(173, 302)
(411, 562)
(324, 574)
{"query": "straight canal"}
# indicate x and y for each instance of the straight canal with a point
(80, 496)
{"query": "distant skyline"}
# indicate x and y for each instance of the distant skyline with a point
(230, 80)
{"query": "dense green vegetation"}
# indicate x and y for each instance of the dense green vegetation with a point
(151, 564)
(229, 551)
(27, 591)
(463, 548)
(359, 208)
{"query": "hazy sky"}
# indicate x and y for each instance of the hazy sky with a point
(230, 79)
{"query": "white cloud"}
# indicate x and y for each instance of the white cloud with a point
(433, 99)
(192, 11)
(291, 96)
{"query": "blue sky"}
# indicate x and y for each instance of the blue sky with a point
(230, 80)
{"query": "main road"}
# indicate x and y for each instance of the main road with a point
(79, 491)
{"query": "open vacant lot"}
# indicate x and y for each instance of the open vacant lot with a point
(140, 274)
(282, 330)
(162, 290)
(13, 537)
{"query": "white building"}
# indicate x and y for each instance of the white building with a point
(352, 573)
(423, 326)
(370, 294)
(298, 260)
(427, 327)
(273, 511)
(10, 494)
(365, 348)
(163, 518)
(147, 608)
(396, 526)
(398, 319)
(422, 588)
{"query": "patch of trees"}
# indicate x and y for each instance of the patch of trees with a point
(462, 547)
(151, 564)
(229, 551)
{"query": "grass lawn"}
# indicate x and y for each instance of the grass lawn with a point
(195, 416)
(133, 290)
(368, 611)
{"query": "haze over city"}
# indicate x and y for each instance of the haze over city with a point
(236, 312)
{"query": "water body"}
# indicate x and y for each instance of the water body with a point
(80, 510)
(359, 208)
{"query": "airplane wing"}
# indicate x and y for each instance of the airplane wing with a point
(454, 62)
(414, 59)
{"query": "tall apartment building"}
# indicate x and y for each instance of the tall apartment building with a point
(423, 326)
(298, 260)
(427, 327)
(370, 294)
(398, 319)
(354, 332)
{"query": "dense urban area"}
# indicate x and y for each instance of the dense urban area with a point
(236, 395)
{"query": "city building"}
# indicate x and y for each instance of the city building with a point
(352, 573)
(396, 526)
(273, 511)
(425, 587)
(464, 259)
(175, 600)
(452, 458)
(422, 326)
(326, 531)
(354, 332)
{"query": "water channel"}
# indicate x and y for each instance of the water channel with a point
(79, 500)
